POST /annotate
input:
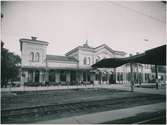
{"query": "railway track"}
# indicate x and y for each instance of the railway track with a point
(154, 120)
(30, 114)
(157, 117)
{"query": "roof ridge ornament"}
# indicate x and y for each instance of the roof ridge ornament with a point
(86, 44)
(33, 38)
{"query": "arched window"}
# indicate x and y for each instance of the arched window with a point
(88, 61)
(37, 56)
(84, 61)
(32, 56)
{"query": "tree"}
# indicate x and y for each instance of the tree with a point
(9, 66)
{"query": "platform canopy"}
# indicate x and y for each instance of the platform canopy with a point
(155, 56)
(110, 63)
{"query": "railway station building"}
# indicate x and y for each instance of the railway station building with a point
(37, 67)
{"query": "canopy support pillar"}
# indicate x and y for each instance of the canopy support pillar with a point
(132, 77)
(156, 76)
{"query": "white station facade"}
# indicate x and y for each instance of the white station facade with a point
(38, 67)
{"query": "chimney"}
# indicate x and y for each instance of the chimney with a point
(34, 38)
(137, 53)
(130, 55)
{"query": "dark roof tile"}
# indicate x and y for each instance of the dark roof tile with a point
(61, 58)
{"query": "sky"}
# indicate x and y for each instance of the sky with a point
(126, 26)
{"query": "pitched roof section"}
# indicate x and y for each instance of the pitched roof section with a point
(73, 50)
(79, 47)
(61, 58)
(95, 49)
(111, 50)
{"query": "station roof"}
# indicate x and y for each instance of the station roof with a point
(155, 56)
(60, 58)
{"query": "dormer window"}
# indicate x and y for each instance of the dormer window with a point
(32, 56)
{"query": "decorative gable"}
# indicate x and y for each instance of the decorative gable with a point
(108, 50)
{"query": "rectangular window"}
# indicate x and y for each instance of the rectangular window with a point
(147, 77)
(30, 76)
(118, 76)
(73, 75)
(97, 77)
(88, 76)
(121, 76)
(104, 78)
(129, 76)
(52, 76)
(63, 76)
(43, 76)
(84, 76)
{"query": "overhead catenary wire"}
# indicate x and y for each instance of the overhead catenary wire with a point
(138, 12)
